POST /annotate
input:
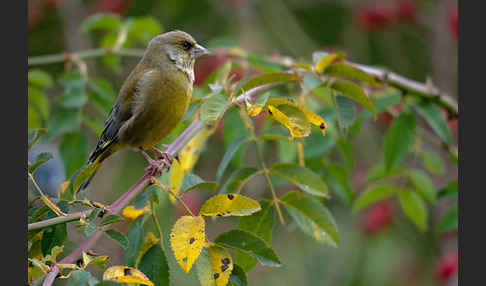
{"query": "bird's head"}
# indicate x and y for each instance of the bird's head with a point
(177, 47)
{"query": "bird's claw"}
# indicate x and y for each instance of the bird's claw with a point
(163, 161)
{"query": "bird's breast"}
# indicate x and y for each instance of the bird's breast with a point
(162, 109)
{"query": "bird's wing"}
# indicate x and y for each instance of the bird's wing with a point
(121, 111)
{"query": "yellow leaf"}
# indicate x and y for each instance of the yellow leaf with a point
(302, 66)
(98, 260)
(229, 205)
(187, 240)
(36, 269)
(149, 241)
(63, 188)
(214, 267)
(126, 274)
(131, 213)
(188, 157)
(294, 124)
(324, 62)
(311, 116)
(55, 251)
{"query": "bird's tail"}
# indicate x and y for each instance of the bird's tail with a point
(99, 154)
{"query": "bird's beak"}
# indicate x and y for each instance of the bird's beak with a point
(198, 51)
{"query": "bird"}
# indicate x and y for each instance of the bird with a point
(151, 102)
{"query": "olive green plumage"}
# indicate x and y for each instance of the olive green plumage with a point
(153, 99)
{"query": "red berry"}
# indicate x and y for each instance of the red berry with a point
(113, 6)
(453, 18)
(447, 266)
(206, 65)
(35, 10)
(378, 217)
(405, 10)
(374, 16)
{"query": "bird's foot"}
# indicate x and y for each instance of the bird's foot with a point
(156, 167)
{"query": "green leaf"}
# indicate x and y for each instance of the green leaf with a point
(346, 109)
(238, 276)
(93, 214)
(311, 81)
(234, 128)
(143, 29)
(310, 214)
(450, 220)
(432, 113)
(118, 237)
(192, 181)
(386, 98)
(34, 119)
(80, 277)
(449, 190)
(261, 225)
(34, 136)
(39, 78)
(134, 236)
(339, 180)
(53, 236)
(379, 172)
(151, 193)
(154, 265)
(213, 108)
(268, 78)
(237, 180)
(63, 121)
(354, 92)
(89, 229)
(347, 71)
(261, 62)
(74, 91)
(103, 94)
(414, 207)
(432, 162)
(106, 22)
(304, 178)
(423, 185)
(74, 151)
(111, 219)
(399, 139)
(38, 101)
(230, 151)
(41, 159)
(250, 244)
(372, 195)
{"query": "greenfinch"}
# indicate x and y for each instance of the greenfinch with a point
(152, 100)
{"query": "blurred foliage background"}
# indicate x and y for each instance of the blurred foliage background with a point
(415, 38)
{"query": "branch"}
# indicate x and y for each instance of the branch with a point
(418, 88)
(403, 83)
(57, 220)
(118, 205)
(88, 54)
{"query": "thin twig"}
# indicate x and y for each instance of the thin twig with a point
(157, 224)
(48, 202)
(261, 160)
(169, 192)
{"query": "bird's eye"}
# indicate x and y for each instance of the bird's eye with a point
(186, 45)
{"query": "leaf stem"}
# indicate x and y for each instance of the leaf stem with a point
(157, 224)
(261, 160)
(48, 202)
(169, 192)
